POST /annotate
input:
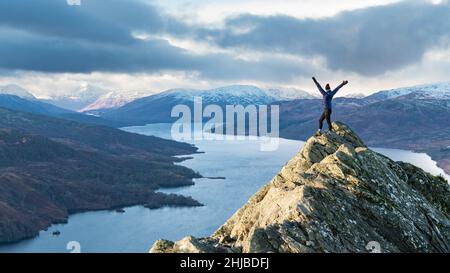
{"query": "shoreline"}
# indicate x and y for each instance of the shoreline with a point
(111, 209)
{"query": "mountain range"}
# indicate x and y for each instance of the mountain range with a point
(84, 98)
(15, 90)
(430, 91)
(111, 100)
(36, 106)
(78, 98)
(413, 118)
(157, 108)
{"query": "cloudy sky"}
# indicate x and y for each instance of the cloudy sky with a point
(50, 46)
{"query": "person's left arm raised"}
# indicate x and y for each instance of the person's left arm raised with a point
(339, 87)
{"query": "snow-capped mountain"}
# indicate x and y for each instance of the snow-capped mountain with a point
(157, 108)
(112, 100)
(237, 94)
(85, 91)
(284, 94)
(234, 94)
(354, 95)
(434, 91)
(426, 91)
(13, 89)
(78, 98)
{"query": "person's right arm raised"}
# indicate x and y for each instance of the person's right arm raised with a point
(318, 86)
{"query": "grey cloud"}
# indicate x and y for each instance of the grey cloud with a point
(368, 41)
(272, 69)
(56, 18)
(94, 20)
(26, 51)
(50, 36)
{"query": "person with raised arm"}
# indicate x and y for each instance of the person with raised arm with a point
(327, 95)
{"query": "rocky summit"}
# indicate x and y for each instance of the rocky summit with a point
(336, 195)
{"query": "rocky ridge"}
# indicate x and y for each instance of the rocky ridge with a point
(336, 195)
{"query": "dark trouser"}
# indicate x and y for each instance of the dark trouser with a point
(325, 115)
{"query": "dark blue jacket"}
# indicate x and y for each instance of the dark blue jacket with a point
(328, 95)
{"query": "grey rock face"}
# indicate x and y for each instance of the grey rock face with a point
(336, 195)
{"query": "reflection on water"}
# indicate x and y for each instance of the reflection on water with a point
(243, 165)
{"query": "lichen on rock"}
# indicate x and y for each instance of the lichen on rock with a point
(336, 195)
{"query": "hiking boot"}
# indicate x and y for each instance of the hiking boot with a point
(318, 133)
